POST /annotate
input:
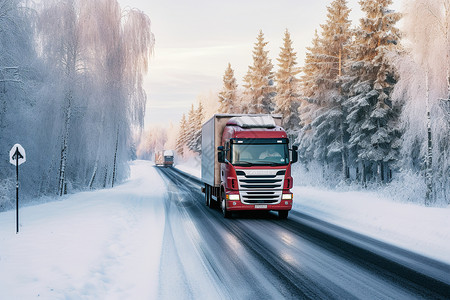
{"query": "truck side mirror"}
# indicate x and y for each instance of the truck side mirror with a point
(220, 155)
(294, 154)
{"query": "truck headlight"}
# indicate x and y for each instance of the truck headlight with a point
(233, 197)
(286, 197)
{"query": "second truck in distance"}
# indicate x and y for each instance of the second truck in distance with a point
(164, 158)
(246, 164)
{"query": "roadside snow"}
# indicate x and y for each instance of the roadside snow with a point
(93, 245)
(192, 166)
(424, 230)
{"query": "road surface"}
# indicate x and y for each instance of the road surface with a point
(258, 256)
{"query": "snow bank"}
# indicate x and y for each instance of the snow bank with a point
(89, 245)
(192, 166)
(424, 230)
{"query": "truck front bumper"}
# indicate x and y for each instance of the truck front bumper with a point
(238, 205)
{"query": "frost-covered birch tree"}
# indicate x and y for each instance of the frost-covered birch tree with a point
(20, 73)
(424, 87)
(59, 26)
(100, 55)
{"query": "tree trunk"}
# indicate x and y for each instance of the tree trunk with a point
(94, 173)
(345, 171)
(429, 157)
(115, 159)
(447, 48)
(64, 147)
(105, 179)
(363, 174)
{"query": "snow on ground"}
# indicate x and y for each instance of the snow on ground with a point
(108, 244)
(93, 245)
(192, 166)
(424, 230)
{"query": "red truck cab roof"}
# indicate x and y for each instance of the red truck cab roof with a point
(232, 131)
(252, 128)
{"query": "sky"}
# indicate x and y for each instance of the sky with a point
(196, 39)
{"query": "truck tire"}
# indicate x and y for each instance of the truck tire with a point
(207, 197)
(283, 214)
(210, 202)
(226, 213)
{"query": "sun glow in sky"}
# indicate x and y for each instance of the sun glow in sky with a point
(196, 39)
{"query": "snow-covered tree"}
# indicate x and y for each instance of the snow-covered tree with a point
(190, 129)
(329, 135)
(261, 84)
(72, 71)
(60, 24)
(99, 54)
(372, 116)
(287, 97)
(309, 90)
(311, 70)
(181, 140)
(424, 89)
(195, 143)
(21, 76)
(246, 96)
(228, 95)
(150, 141)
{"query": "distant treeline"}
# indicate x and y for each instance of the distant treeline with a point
(363, 108)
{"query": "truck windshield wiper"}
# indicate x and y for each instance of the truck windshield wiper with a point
(265, 162)
(242, 162)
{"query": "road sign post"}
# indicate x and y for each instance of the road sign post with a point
(17, 157)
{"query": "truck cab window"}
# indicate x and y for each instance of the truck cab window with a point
(259, 154)
(228, 152)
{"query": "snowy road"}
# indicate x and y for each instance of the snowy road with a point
(154, 238)
(261, 257)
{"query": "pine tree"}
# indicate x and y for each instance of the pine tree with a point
(287, 97)
(228, 95)
(247, 93)
(372, 117)
(190, 128)
(195, 144)
(336, 36)
(312, 70)
(330, 135)
(262, 88)
(181, 140)
(309, 88)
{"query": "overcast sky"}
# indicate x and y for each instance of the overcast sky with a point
(196, 39)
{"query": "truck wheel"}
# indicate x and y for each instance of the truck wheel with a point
(226, 213)
(211, 203)
(207, 196)
(283, 214)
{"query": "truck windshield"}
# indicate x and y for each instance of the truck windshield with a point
(259, 154)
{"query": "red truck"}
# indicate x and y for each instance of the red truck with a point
(164, 158)
(246, 164)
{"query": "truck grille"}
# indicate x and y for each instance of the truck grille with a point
(260, 186)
